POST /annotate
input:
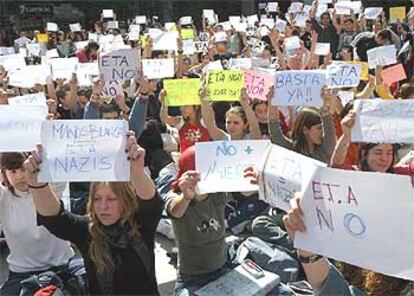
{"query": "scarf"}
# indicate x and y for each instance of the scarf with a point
(118, 236)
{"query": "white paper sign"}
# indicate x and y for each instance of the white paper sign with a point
(37, 99)
(188, 47)
(20, 127)
(296, 7)
(282, 176)
(322, 49)
(382, 56)
(84, 150)
(12, 62)
(281, 25)
(292, 43)
(371, 13)
(52, 53)
(240, 63)
(85, 72)
(123, 64)
(63, 67)
(112, 25)
(107, 13)
(28, 76)
(6, 50)
(158, 68)
(33, 49)
(112, 89)
(222, 163)
(52, 27)
(75, 27)
(134, 28)
(346, 96)
(340, 75)
(186, 20)
(166, 41)
(272, 6)
(141, 19)
(341, 214)
(299, 88)
(386, 121)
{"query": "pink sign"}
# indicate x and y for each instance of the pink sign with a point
(257, 84)
(393, 74)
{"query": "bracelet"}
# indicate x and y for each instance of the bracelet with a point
(310, 259)
(38, 187)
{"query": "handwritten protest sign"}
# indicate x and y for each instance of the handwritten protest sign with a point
(112, 88)
(20, 127)
(30, 75)
(393, 74)
(166, 41)
(241, 63)
(382, 56)
(224, 85)
(182, 92)
(221, 164)
(12, 62)
(398, 13)
(364, 69)
(85, 72)
(158, 68)
(37, 99)
(84, 150)
(63, 67)
(341, 218)
(123, 64)
(257, 84)
(299, 88)
(387, 121)
(282, 176)
(340, 75)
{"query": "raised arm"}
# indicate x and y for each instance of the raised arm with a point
(251, 117)
(170, 120)
(326, 111)
(207, 114)
(341, 148)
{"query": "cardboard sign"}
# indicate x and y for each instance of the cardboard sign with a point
(224, 85)
(257, 84)
(222, 163)
(182, 92)
(341, 210)
(340, 75)
(299, 88)
(84, 150)
(20, 127)
(384, 121)
(123, 64)
(282, 176)
(158, 68)
(393, 74)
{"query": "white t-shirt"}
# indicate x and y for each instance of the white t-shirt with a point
(32, 247)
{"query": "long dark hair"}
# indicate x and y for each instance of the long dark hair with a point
(363, 153)
(307, 117)
(11, 161)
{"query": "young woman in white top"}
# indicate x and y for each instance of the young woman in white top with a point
(33, 249)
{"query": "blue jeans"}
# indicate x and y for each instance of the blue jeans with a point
(12, 285)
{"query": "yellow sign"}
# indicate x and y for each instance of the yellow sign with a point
(182, 92)
(364, 71)
(224, 85)
(42, 38)
(398, 13)
(187, 34)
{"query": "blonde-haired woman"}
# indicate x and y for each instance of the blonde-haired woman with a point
(116, 237)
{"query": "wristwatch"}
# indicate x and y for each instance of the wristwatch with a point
(310, 259)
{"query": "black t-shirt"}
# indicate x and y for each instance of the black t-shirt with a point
(130, 278)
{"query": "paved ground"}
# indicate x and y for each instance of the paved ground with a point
(166, 273)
